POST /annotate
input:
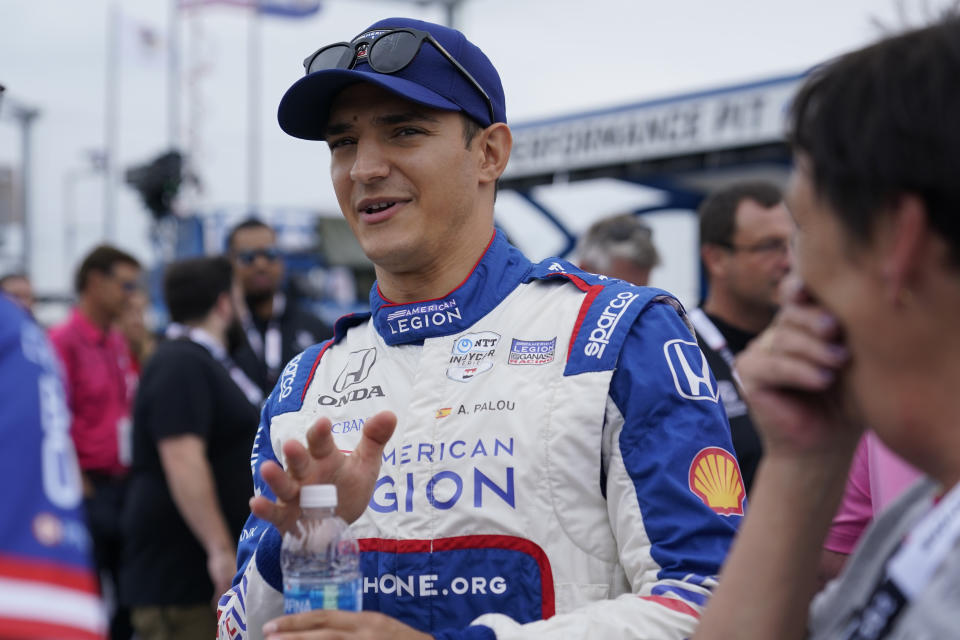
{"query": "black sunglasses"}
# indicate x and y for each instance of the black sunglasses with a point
(248, 257)
(387, 53)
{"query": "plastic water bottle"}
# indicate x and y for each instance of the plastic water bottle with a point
(319, 556)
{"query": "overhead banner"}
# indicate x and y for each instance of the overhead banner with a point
(731, 117)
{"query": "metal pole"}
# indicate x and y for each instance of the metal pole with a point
(111, 125)
(253, 113)
(70, 217)
(26, 117)
(173, 75)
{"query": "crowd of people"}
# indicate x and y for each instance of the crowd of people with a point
(524, 450)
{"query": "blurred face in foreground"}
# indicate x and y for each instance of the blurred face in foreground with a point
(846, 276)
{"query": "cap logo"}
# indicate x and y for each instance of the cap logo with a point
(370, 35)
(715, 479)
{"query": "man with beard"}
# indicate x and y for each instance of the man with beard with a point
(276, 329)
(195, 421)
(745, 245)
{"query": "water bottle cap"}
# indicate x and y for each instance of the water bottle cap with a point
(318, 495)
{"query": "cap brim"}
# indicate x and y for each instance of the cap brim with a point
(305, 107)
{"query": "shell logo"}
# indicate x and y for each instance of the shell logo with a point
(715, 478)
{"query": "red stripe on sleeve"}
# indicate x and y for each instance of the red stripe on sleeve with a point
(674, 604)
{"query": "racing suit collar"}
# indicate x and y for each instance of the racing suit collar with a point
(501, 268)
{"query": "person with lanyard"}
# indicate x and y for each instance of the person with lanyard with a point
(195, 418)
(274, 327)
(866, 336)
(100, 377)
(523, 450)
(745, 236)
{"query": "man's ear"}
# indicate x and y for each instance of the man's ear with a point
(495, 143)
(714, 259)
(905, 238)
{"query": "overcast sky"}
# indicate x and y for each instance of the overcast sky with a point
(554, 56)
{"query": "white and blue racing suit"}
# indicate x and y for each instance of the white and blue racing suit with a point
(560, 468)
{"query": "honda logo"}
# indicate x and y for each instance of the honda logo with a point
(356, 370)
(691, 374)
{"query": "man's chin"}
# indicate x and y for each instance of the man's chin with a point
(255, 298)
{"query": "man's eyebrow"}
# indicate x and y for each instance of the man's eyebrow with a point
(336, 129)
(404, 117)
(389, 119)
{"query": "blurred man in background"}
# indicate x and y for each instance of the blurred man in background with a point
(745, 234)
(619, 247)
(194, 430)
(101, 380)
(275, 328)
(17, 286)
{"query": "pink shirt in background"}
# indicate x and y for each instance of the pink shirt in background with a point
(877, 477)
(100, 381)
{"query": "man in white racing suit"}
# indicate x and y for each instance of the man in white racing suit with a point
(556, 463)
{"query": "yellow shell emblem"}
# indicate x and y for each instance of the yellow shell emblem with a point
(715, 478)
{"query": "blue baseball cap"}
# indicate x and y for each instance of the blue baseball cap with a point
(429, 79)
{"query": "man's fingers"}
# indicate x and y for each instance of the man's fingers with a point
(314, 620)
(760, 370)
(320, 439)
(808, 319)
(803, 346)
(376, 433)
(298, 460)
(279, 481)
(269, 511)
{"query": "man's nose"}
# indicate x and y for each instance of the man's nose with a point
(369, 163)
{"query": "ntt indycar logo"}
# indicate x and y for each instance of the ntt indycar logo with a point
(607, 323)
(423, 316)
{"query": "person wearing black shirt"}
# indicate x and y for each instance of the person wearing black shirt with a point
(274, 328)
(745, 233)
(195, 418)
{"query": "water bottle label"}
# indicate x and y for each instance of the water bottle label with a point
(333, 595)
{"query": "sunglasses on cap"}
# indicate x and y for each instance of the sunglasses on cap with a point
(388, 53)
(248, 257)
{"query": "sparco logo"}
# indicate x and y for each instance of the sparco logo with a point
(607, 323)
(288, 376)
(356, 370)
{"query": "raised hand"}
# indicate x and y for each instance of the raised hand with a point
(321, 462)
(792, 376)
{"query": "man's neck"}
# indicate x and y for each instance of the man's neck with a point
(214, 327)
(748, 319)
(262, 308)
(94, 313)
(432, 281)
